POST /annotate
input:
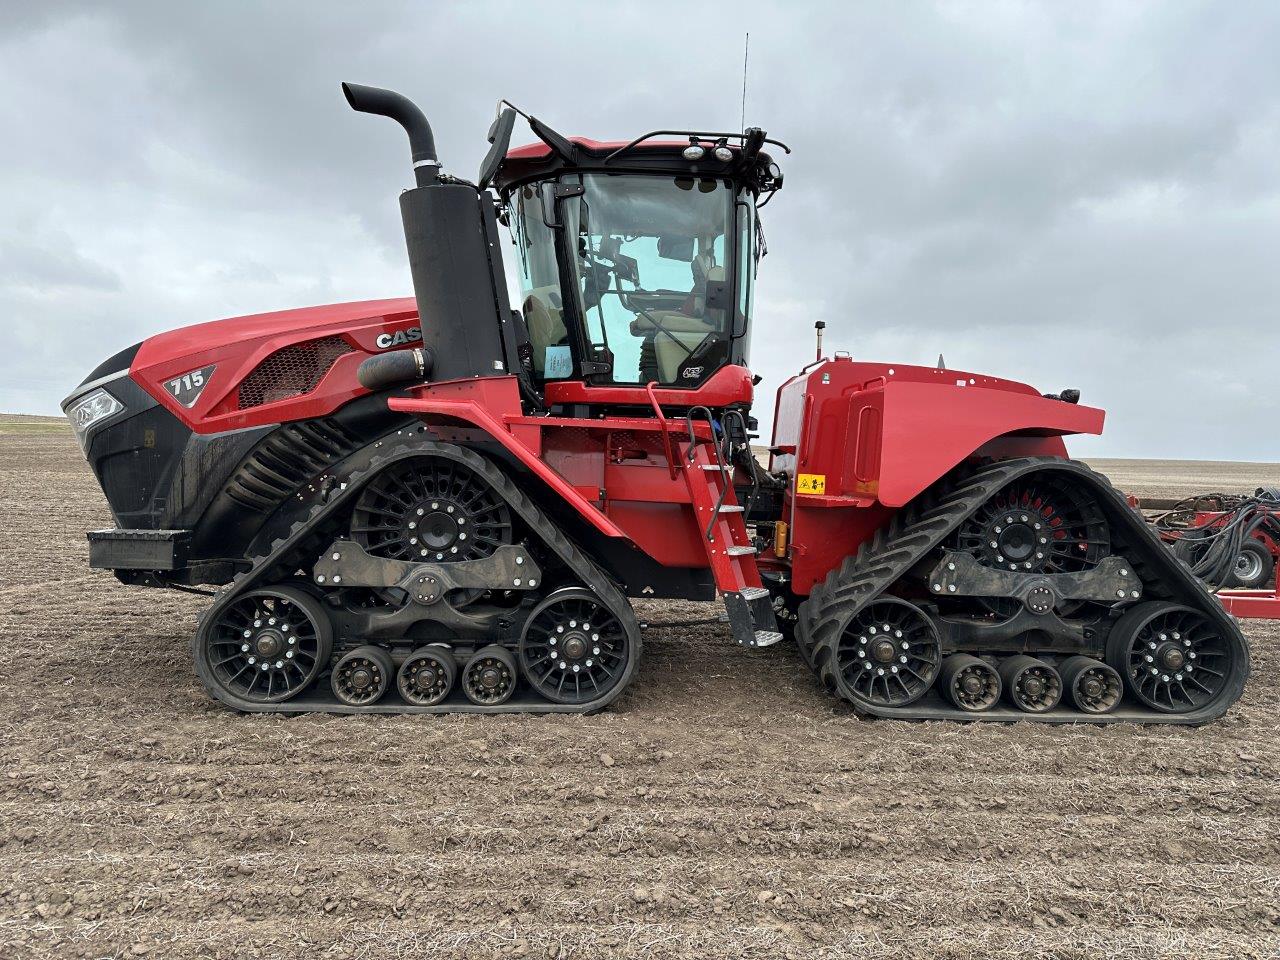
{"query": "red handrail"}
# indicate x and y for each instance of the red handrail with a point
(662, 419)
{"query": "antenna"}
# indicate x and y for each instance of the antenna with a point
(746, 49)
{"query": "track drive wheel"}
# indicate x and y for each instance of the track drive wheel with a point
(362, 676)
(888, 654)
(574, 649)
(1173, 658)
(427, 676)
(1037, 524)
(266, 647)
(489, 678)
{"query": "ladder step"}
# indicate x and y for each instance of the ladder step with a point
(711, 466)
(754, 593)
(767, 638)
(731, 508)
(740, 551)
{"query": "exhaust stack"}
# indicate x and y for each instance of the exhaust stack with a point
(388, 103)
(451, 232)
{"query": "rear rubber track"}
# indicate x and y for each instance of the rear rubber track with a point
(317, 514)
(927, 522)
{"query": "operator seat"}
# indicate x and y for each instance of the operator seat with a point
(544, 316)
(680, 333)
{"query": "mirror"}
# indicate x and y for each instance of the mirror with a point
(676, 248)
(500, 138)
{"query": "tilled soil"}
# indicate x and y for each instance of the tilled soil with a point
(724, 806)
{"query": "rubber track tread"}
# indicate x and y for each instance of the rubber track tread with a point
(307, 535)
(926, 522)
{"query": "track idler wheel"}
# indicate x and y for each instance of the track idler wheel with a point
(1092, 685)
(426, 678)
(574, 649)
(888, 655)
(1031, 685)
(362, 676)
(1173, 658)
(972, 685)
(489, 678)
(265, 647)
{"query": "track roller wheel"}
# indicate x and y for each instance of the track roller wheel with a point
(1029, 684)
(888, 654)
(1092, 685)
(970, 684)
(573, 649)
(489, 678)
(426, 678)
(362, 676)
(1173, 658)
(265, 647)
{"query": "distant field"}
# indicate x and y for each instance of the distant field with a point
(1183, 478)
(27, 424)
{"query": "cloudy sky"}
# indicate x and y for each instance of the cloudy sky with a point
(1070, 194)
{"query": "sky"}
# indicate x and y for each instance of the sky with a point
(1069, 194)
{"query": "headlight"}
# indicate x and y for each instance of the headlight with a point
(93, 407)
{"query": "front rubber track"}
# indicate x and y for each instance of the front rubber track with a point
(307, 524)
(927, 521)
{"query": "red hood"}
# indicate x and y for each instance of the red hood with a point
(312, 381)
(306, 322)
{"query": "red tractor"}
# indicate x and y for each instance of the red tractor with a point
(444, 504)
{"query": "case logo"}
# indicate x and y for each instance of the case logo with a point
(386, 341)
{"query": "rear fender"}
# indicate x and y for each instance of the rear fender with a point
(927, 429)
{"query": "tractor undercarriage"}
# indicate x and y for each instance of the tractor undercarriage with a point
(501, 614)
(1026, 589)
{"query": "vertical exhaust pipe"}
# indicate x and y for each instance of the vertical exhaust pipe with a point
(451, 232)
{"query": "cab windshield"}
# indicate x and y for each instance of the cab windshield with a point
(649, 267)
(650, 264)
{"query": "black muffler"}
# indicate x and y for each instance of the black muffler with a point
(451, 232)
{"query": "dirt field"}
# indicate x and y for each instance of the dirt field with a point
(1184, 478)
(724, 808)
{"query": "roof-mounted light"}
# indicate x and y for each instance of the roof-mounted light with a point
(694, 151)
(722, 151)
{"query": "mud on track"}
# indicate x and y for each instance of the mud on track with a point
(723, 808)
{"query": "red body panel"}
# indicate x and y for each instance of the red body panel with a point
(727, 386)
(237, 346)
(865, 438)
(612, 471)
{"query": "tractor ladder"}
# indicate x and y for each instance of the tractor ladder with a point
(722, 524)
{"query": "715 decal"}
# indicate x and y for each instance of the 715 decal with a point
(186, 389)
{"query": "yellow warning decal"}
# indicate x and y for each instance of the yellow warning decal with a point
(814, 484)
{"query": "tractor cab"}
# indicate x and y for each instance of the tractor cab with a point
(636, 261)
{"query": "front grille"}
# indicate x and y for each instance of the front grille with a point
(285, 459)
(291, 371)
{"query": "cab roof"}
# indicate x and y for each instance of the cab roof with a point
(537, 161)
